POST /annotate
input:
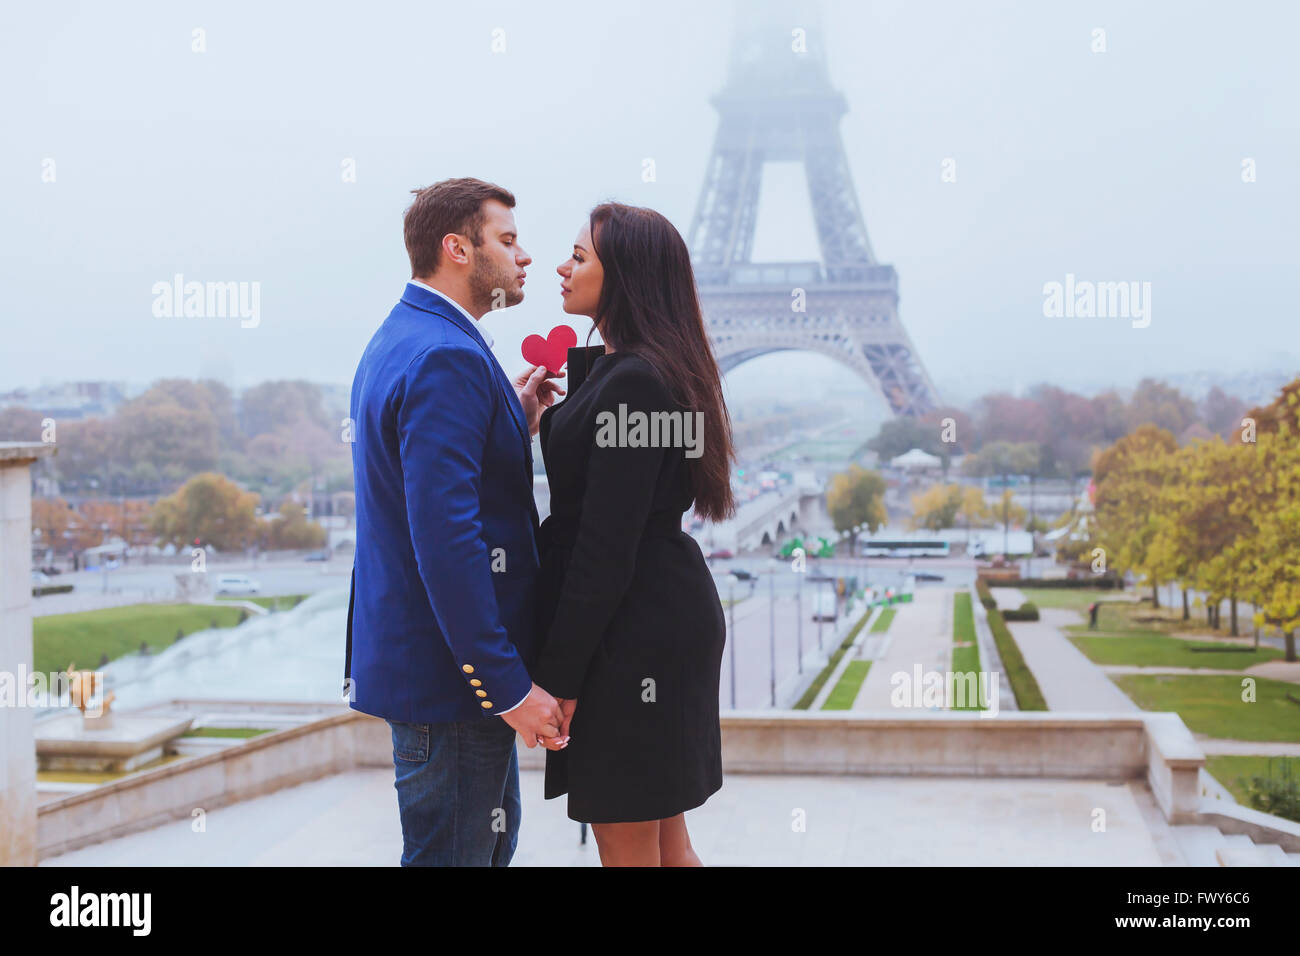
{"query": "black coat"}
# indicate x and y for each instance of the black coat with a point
(632, 624)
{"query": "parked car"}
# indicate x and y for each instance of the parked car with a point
(740, 574)
(721, 553)
(927, 576)
(236, 584)
(39, 579)
(318, 556)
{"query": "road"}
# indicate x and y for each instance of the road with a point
(142, 584)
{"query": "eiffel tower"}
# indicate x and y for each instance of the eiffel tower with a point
(778, 105)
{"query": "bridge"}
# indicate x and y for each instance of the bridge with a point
(770, 519)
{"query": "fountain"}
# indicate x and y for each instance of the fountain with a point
(99, 740)
(294, 655)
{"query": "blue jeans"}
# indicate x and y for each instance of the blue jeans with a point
(457, 792)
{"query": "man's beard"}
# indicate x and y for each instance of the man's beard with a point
(493, 288)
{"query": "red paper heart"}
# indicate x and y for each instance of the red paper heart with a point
(552, 351)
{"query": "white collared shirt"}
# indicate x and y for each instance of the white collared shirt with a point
(482, 329)
(487, 337)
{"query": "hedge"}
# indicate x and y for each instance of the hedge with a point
(1100, 582)
(1028, 694)
(819, 681)
(43, 589)
(1028, 612)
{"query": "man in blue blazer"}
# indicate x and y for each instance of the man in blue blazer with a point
(441, 629)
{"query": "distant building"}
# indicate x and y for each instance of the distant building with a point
(69, 401)
(916, 460)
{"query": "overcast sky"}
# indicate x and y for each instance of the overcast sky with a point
(226, 165)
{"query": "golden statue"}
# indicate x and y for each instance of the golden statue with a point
(82, 686)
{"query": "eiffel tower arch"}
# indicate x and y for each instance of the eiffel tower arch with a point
(778, 105)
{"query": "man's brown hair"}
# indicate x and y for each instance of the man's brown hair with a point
(450, 206)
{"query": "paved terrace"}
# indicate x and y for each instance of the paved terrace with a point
(914, 789)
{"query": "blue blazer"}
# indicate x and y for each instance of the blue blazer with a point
(441, 622)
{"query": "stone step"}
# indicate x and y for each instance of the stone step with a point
(1198, 843)
(1252, 855)
(1275, 853)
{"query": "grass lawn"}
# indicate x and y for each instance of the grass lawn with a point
(1229, 770)
(1212, 704)
(804, 702)
(846, 688)
(1148, 649)
(284, 602)
(1072, 599)
(227, 731)
(882, 623)
(965, 660)
(1137, 635)
(82, 638)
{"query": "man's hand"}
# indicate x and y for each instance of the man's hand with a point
(536, 392)
(538, 716)
(567, 707)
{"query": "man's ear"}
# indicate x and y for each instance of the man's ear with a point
(454, 248)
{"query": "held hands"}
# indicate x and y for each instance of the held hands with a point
(536, 392)
(538, 720)
(567, 707)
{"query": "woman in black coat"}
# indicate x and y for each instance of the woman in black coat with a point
(634, 628)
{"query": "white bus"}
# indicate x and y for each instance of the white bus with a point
(904, 548)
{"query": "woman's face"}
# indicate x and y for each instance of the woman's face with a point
(581, 276)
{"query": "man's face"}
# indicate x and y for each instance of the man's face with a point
(496, 276)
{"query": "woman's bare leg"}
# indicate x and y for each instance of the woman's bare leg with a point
(628, 844)
(675, 843)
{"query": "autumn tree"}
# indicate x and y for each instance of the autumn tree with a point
(292, 530)
(1155, 403)
(1129, 477)
(936, 507)
(1273, 545)
(1204, 521)
(211, 509)
(51, 517)
(856, 497)
(20, 424)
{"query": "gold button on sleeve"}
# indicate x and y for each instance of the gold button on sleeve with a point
(468, 668)
(475, 682)
(486, 704)
(481, 693)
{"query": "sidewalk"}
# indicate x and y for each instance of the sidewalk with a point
(1255, 748)
(1008, 599)
(1069, 680)
(921, 633)
(1273, 670)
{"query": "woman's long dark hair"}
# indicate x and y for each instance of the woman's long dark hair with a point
(649, 307)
